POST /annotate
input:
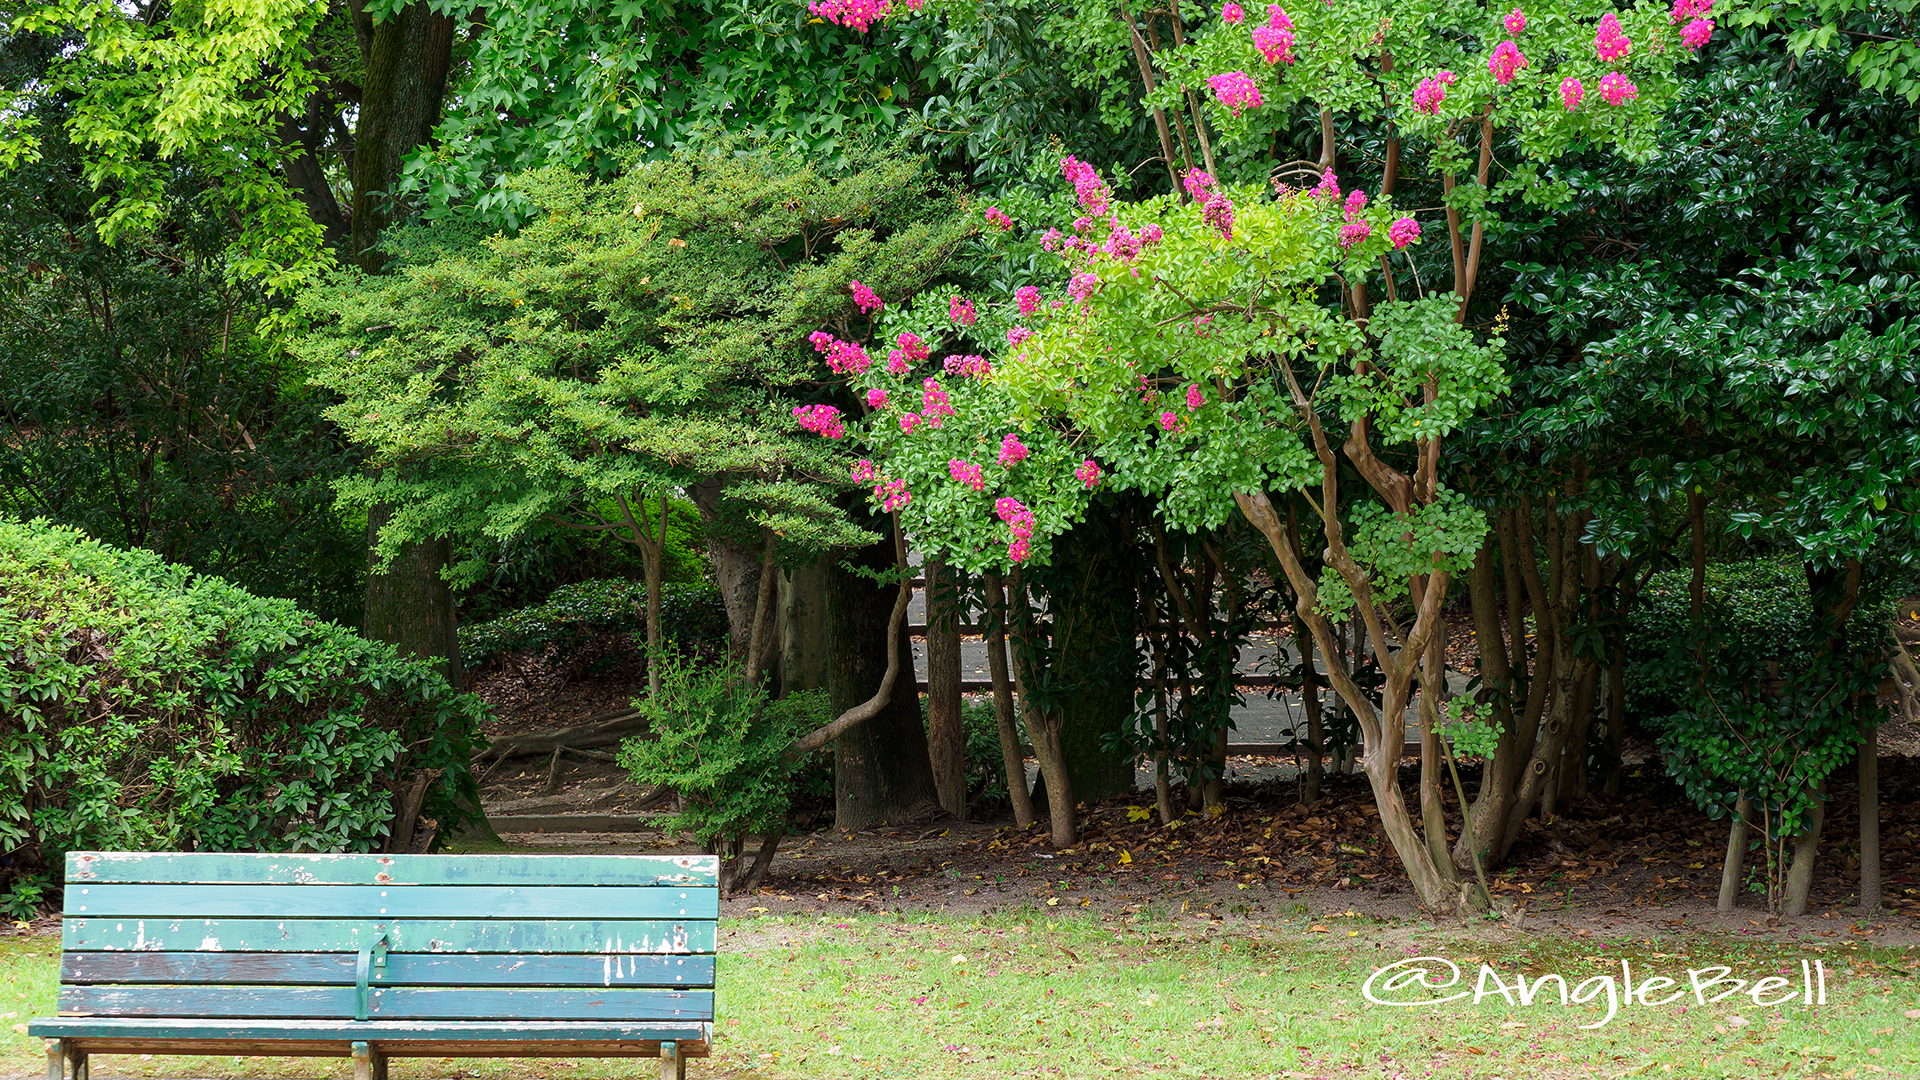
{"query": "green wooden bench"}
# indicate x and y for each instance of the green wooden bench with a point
(378, 956)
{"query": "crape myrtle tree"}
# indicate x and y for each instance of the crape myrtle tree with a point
(638, 335)
(1750, 348)
(1205, 348)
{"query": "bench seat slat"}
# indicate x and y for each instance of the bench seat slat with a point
(610, 936)
(215, 868)
(107, 1027)
(391, 901)
(402, 969)
(388, 1003)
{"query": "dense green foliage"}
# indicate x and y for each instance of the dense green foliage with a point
(691, 614)
(144, 707)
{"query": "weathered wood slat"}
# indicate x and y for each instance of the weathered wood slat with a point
(331, 1033)
(391, 901)
(598, 936)
(566, 1046)
(388, 1003)
(402, 969)
(214, 868)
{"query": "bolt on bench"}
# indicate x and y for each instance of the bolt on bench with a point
(379, 956)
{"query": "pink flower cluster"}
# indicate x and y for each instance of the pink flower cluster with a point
(1616, 89)
(1403, 232)
(1329, 185)
(1571, 92)
(864, 298)
(1082, 285)
(1093, 193)
(893, 495)
(855, 14)
(821, 420)
(965, 472)
(1214, 205)
(1505, 61)
(960, 310)
(1689, 9)
(1353, 232)
(1432, 91)
(1275, 40)
(1236, 91)
(1019, 521)
(1696, 33)
(1357, 228)
(1608, 41)
(1012, 450)
(933, 402)
(999, 218)
(843, 357)
(1088, 473)
(1515, 22)
(1232, 14)
(876, 398)
(1195, 398)
(909, 421)
(1028, 298)
(967, 365)
(1018, 334)
(864, 472)
(908, 350)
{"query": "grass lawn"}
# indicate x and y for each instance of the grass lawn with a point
(1037, 993)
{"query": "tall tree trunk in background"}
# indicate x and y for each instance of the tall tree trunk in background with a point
(736, 569)
(804, 662)
(881, 771)
(1013, 760)
(946, 731)
(1095, 654)
(409, 605)
(1043, 725)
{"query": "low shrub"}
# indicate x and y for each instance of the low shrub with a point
(143, 707)
(691, 614)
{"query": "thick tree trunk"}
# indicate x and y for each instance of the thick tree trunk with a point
(1734, 867)
(736, 568)
(881, 769)
(804, 663)
(406, 59)
(946, 731)
(1012, 759)
(1043, 725)
(1806, 848)
(409, 605)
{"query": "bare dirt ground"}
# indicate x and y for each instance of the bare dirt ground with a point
(1647, 864)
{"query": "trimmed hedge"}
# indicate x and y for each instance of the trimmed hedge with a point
(143, 707)
(692, 616)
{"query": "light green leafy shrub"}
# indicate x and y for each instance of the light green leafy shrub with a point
(143, 707)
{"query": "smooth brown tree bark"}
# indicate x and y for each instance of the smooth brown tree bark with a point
(946, 730)
(881, 768)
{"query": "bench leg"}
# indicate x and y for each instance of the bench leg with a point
(368, 1062)
(56, 1060)
(672, 1065)
(77, 1064)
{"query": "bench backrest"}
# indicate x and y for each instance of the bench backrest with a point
(390, 937)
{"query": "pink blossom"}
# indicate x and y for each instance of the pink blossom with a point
(1515, 21)
(1020, 523)
(1018, 334)
(876, 398)
(1236, 91)
(1082, 223)
(1403, 232)
(1012, 450)
(1121, 243)
(1169, 421)
(1218, 213)
(1082, 285)
(1197, 181)
(908, 350)
(1150, 235)
(1353, 232)
(1277, 18)
(1088, 473)
(1087, 185)
(1232, 14)
(843, 357)
(1274, 43)
(1356, 202)
(1195, 398)
(1608, 42)
(1050, 239)
(863, 471)
(960, 310)
(1697, 32)
(909, 421)
(967, 473)
(1428, 96)
(933, 403)
(1506, 60)
(1029, 298)
(854, 14)
(998, 217)
(1199, 330)
(893, 495)
(1616, 89)
(1571, 92)
(1329, 186)
(821, 420)
(967, 365)
(864, 298)
(1687, 9)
